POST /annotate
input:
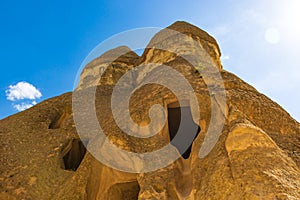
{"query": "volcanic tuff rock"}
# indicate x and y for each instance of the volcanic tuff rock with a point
(256, 157)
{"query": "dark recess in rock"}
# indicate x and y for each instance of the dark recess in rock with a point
(189, 128)
(125, 191)
(73, 154)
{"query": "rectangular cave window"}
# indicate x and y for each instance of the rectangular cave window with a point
(185, 133)
(73, 154)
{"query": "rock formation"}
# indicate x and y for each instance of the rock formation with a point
(257, 155)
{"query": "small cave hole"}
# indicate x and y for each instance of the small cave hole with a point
(125, 191)
(57, 122)
(73, 154)
(188, 127)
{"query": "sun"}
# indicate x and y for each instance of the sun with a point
(272, 35)
(285, 23)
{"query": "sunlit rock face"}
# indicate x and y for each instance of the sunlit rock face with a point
(172, 40)
(257, 155)
(110, 66)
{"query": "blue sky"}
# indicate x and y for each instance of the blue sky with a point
(44, 42)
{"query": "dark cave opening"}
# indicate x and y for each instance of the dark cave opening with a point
(186, 134)
(73, 154)
(57, 121)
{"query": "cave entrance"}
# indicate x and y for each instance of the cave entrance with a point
(124, 191)
(58, 121)
(187, 132)
(73, 154)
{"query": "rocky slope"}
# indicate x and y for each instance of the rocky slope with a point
(257, 155)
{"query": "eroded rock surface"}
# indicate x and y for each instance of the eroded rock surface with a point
(257, 155)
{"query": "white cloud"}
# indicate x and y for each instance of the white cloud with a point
(22, 90)
(24, 106)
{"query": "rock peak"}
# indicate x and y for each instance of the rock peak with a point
(112, 55)
(187, 28)
(181, 39)
(110, 61)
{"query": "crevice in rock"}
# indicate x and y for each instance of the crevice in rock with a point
(57, 122)
(73, 154)
(187, 129)
(124, 191)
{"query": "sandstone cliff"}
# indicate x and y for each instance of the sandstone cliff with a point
(257, 155)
